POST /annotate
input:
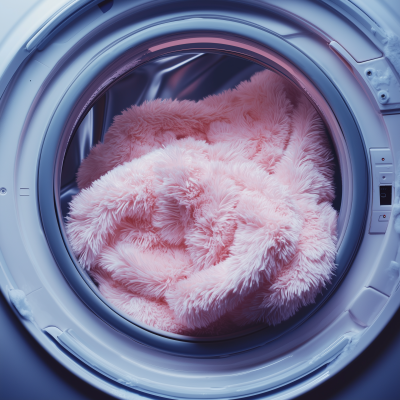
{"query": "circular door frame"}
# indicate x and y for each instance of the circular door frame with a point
(196, 34)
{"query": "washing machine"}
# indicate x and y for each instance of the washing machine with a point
(68, 67)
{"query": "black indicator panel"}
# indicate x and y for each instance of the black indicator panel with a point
(385, 195)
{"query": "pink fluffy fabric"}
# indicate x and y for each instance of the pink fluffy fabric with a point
(204, 217)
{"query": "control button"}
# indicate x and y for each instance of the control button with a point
(24, 191)
(379, 221)
(381, 156)
(386, 177)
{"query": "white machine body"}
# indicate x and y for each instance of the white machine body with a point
(347, 40)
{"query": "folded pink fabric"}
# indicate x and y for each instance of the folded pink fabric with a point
(202, 217)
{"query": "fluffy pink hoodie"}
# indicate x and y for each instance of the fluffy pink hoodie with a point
(201, 217)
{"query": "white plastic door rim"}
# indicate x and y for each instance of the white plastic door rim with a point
(51, 225)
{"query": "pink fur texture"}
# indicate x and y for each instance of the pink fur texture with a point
(204, 217)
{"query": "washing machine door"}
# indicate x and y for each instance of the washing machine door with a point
(77, 58)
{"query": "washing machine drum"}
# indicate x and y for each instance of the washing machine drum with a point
(87, 104)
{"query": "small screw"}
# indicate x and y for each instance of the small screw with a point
(369, 72)
(3, 191)
(383, 96)
(383, 159)
(384, 216)
(383, 177)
